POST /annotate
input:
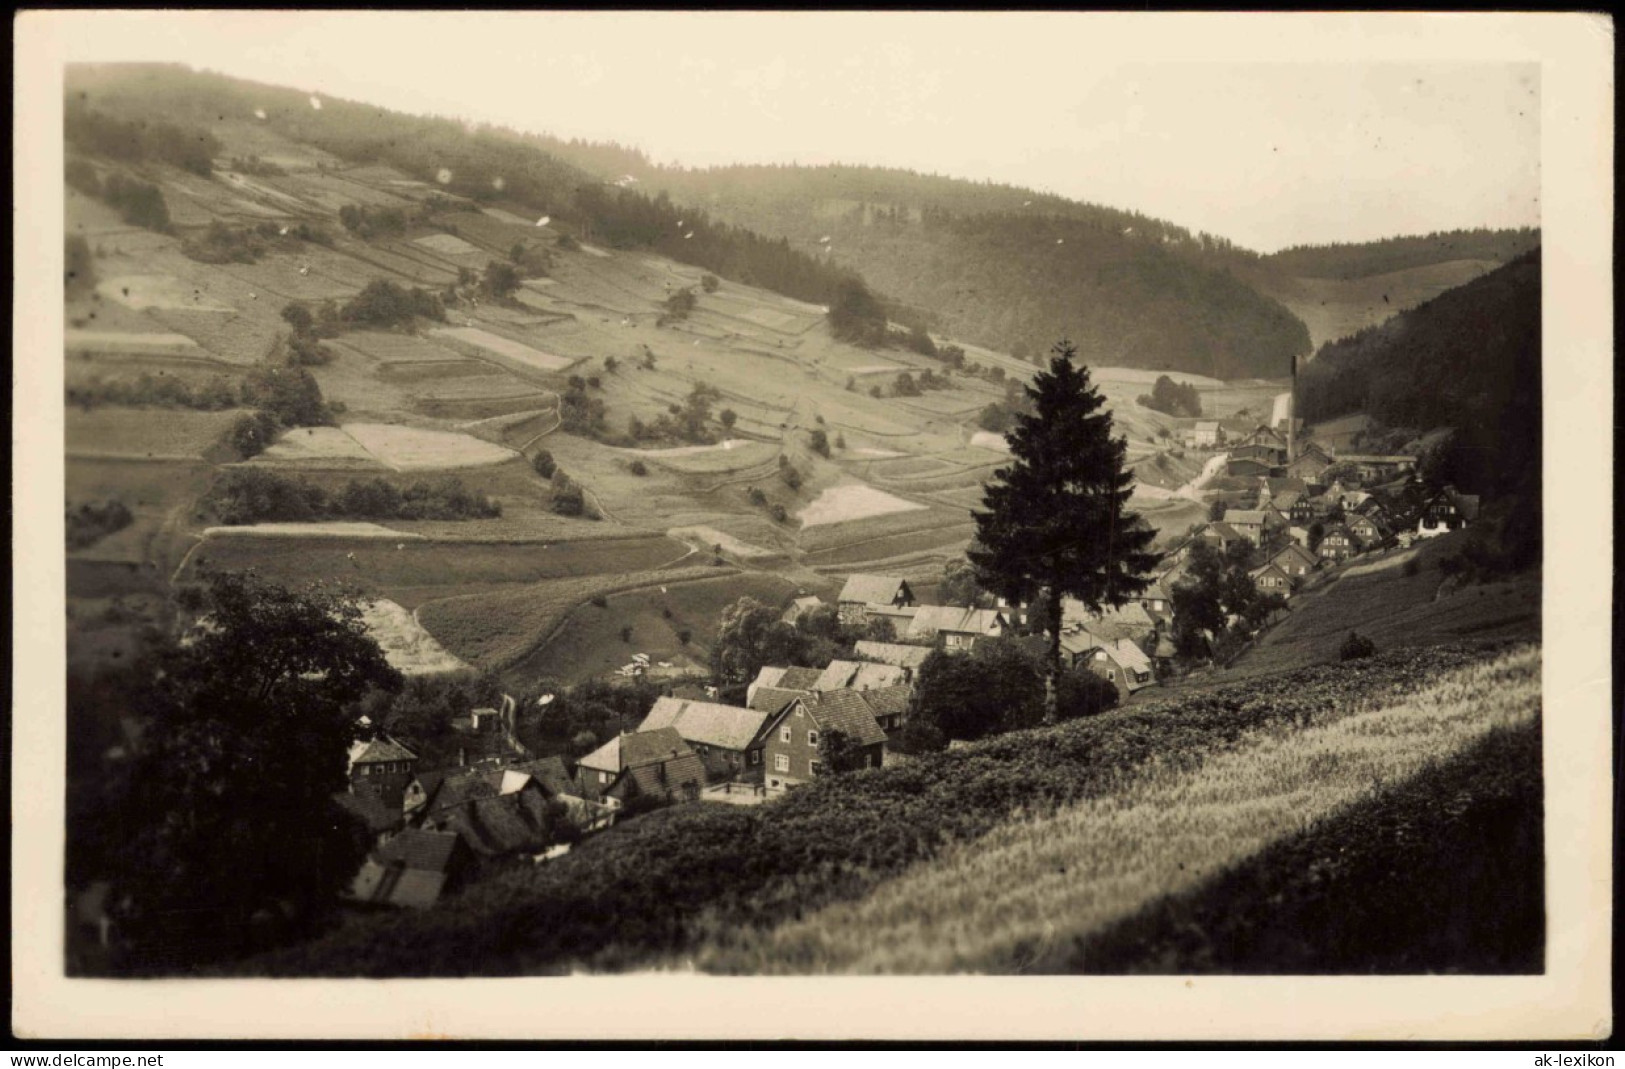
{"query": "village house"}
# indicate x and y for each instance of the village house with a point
(953, 628)
(1265, 454)
(1219, 534)
(1338, 543)
(1265, 436)
(792, 754)
(1446, 510)
(1254, 524)
(1271, 579)
(1207, 434)
(727, 738)
(1157, 602)
(411, 870)
(1131, 621)
(773, 699)
(1121, 662)
(1367, 530)
(1247, 468)
(657, 763)
(862, 592)
(1275, 488)
(1298, 536)
(898, 617)
(799, 608)
(1296, 561)
(382, 767)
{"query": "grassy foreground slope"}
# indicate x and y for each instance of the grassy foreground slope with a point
(700, 879)
(1021, 898)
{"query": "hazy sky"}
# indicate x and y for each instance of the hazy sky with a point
(1283, 140)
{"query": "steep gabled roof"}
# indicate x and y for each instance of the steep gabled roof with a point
(1266, 569)
(381, 748)
(492, 827)
(1297, 553)
(771, 699)
(1248, 516)
(1207, 425)
(872, 589)
(635, 749)
(728, 727)
(669, 776)
(893, 653)
(845, 711)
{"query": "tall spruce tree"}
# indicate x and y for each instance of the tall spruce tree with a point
(1056, 523)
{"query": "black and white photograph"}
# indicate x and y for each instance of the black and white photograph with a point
(687, 498)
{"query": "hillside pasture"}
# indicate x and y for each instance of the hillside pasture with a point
(318, 445)
(147, 433)
(393, 352)
(490, 344)
(501, 629)
(423, 569)
(113, 343)
(589, 644)
(1336, 308)
(708, 538)
(140, 292)
(1022, 899)
(1395, 610)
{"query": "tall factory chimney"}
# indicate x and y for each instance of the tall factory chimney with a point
(1292, 415)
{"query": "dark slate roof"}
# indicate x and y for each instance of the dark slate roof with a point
(772, 699)
(635, 749)
(373, 813)
(492, 827)
(455, 787)
(845, 711)
(877, 589)
(668, 777)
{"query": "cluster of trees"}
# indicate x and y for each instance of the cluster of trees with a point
(1363, 259)
(254, 495)
(281, 397)
(91, 522)
(1173, 398)
(305, 348)
(1469, 359)
(1215, 589)
(385, 304)
(678, 306)
(157, 391)
(568, 498)
(136, 140)
(221, 244)
(856, 315)
(220, 832)
(368, 223)
(998, 686)
(138, 203)
(751, 635)
(580, 412)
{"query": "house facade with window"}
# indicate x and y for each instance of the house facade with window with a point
(382, 767)
(1338, 543)
(791, 752)
(864, 591)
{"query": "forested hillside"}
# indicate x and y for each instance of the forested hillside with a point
(1362, 260)
(1468, 359)
(481, 165)
(1014, 269)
